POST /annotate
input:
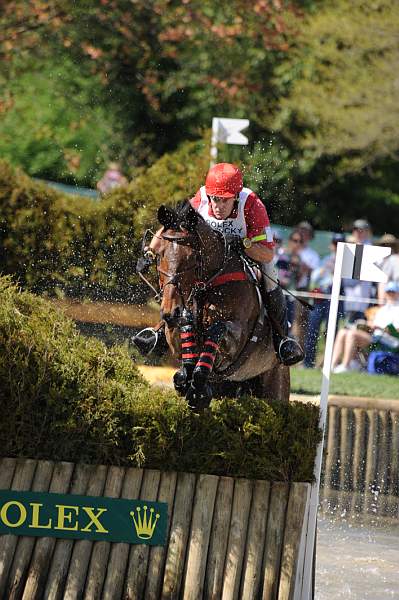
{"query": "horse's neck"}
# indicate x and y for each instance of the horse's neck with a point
(212, 248)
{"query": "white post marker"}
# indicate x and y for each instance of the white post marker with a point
(227, 131)
(353, 261)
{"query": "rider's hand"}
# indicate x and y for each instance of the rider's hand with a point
(144, 262)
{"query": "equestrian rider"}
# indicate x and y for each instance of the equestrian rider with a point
(227, 206)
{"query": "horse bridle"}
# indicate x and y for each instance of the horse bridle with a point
(199, 286)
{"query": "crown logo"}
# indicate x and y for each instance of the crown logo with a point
(145, 525)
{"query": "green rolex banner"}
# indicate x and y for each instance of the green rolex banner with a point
(83, 517)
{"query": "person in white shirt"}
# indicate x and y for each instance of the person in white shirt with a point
(350, 340)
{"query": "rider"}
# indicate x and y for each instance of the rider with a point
(226, 205)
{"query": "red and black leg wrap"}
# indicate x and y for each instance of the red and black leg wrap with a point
(189, 352)
(205, 363)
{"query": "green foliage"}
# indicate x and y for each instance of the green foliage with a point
(55, 125)
(61, 244)
(308, 381)
(66, 397)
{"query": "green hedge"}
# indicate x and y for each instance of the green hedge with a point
(67, 397)
(74, 246)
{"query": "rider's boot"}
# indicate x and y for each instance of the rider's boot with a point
(151, 340)
(288, 350)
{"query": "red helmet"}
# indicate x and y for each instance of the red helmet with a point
(223, 180)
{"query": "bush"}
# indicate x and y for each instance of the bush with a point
(58, 244)
(66, 397)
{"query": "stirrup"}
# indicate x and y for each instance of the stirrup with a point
(290, 352)
(146, 340)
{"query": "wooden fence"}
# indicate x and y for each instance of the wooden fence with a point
(361, 468)
(227, 538)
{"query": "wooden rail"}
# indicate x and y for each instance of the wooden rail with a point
(361, 461)
(227, 538)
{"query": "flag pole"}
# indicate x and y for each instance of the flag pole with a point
(314, 494)
(214, 141)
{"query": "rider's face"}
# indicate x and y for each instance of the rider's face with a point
(222, 207)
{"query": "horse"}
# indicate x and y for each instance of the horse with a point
(213, 314)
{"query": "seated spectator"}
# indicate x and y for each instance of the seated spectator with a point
(390, 265)
(380, 331)
(291, 269)
(111, 179)
(321, 281)
(357, 290)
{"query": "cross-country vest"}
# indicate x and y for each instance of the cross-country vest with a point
(233, 226)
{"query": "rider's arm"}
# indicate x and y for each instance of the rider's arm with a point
(260, 252)
(258, 230)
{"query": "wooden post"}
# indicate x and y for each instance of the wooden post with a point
(138, 556)
(156, 563)
(198, 543)
(82, 548)
(22, 480)
(345, 460)
(330, 464)
(292, 536)
(358, 458)
(22, 557)
(44, 547)
(219, 538)
(274, 540)
(115, 577)
(63, 548)
(252, 566)
(371, 461)
(395, 454)
(100, 552)
(179, 531)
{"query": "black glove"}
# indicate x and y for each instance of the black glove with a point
(234, 243)
(144, 263)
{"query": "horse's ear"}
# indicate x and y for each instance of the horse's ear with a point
(167, 217)
(189, 218)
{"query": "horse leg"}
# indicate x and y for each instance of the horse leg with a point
(275, 384)
(199, 393)
(189, 353)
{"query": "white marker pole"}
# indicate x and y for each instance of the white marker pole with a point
(214, 140)
(345, 265)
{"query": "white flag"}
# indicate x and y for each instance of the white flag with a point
(359, 262)
(228, 131)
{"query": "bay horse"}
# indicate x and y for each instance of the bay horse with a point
(213, 313)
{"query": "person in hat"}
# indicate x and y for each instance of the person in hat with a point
(237, 212)
(378, 331)
(356, 290)
(390, 265)
(321, 282)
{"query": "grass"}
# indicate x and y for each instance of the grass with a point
(308, 381)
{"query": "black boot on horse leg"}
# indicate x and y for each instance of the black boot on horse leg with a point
(189, 353)
(288, 350)
(199, 393)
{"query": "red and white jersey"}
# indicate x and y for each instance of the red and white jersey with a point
(249, 217)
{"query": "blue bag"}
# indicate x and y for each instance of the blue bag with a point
(386, 363)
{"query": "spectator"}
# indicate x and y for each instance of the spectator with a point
(310, 260)
(390, 265)
(111, 179)
(321, 281)
(290, 268)
(377, 331)
(353, 288)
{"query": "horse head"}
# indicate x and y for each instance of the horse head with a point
(190, 252)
